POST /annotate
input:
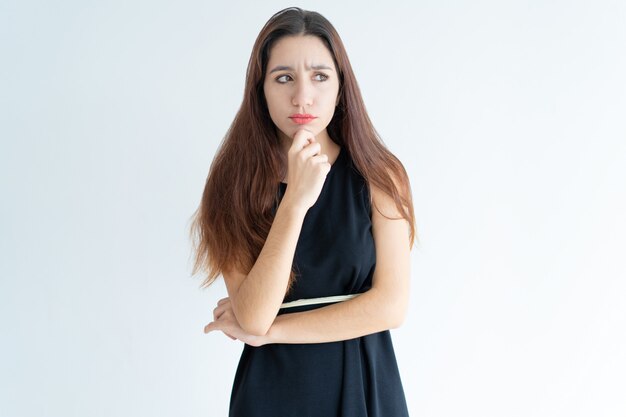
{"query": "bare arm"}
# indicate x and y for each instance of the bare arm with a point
(383, 307)
(257, 296)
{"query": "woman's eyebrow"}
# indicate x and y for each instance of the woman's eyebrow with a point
(314, 67)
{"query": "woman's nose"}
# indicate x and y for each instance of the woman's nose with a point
(302, 95)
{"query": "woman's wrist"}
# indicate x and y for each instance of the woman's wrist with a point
(292, 207)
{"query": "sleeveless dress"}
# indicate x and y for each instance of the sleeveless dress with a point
(335, 255)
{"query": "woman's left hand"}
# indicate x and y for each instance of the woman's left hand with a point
(225, 320)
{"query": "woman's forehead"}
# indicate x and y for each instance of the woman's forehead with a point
(307, 50)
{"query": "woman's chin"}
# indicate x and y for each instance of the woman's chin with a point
(292, 132)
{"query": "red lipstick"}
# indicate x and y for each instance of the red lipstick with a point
(301, 119)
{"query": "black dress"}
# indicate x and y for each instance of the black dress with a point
(335, 255)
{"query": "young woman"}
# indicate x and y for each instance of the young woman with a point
(309, 219)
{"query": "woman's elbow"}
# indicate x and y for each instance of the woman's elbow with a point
(254, 320)
(255, 330)
(397, 313)
(255, 326)
(394, 320)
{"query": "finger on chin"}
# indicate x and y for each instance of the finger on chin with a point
(302, 138)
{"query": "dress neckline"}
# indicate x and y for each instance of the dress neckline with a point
(332, 166)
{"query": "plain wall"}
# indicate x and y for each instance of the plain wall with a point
(508, 116)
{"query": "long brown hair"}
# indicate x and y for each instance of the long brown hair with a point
(230, 226)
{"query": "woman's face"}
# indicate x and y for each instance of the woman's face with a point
(301, 78)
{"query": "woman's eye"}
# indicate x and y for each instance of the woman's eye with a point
(281, 79)
(278, 78)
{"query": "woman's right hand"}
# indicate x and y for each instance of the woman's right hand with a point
(307, 170)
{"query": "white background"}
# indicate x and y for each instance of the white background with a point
(508, 115)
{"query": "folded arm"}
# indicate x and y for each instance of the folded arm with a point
(383, 307)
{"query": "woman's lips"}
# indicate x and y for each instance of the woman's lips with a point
(302, 119)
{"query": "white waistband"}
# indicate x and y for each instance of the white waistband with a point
(320, 300)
